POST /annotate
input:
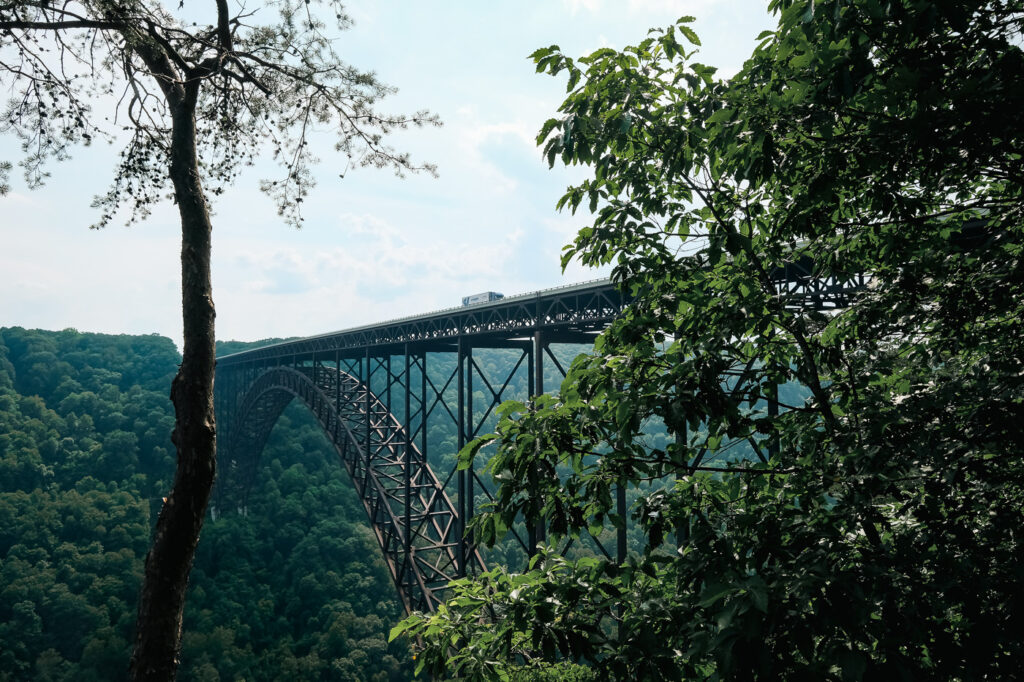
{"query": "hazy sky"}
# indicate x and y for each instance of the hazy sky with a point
(374, 246)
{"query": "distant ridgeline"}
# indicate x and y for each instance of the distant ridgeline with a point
(294, 590)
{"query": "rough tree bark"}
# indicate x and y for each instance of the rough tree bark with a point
(226, 94)
(162, 601)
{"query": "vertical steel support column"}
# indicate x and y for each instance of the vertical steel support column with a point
(460, 554)
(530, 382)
(407, 540)
(423, 407)
(537, 387)
(538, 532)
(387, 382)
(470, 434)
(337, 392)
(531, 529)
(366, 406)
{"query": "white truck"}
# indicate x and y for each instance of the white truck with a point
(482, 298)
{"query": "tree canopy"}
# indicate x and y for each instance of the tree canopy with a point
(867, 528)
(198, 92)
(257, 79)
(293, 589)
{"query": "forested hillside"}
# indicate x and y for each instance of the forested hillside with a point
(292, 589)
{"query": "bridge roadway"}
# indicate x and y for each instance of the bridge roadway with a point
(378, 389)
(568, 312)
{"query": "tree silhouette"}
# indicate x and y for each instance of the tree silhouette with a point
(196, 93)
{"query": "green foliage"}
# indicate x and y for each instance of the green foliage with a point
(293, 588)
(258, 83)
(5, 171)
(84, 442)
(293, 585)
(870, 529)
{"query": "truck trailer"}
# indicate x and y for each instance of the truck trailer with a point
(485, 297)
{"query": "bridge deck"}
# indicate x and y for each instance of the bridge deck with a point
(573, 312)
(396, 380)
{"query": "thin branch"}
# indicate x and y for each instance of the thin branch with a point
(58, 25)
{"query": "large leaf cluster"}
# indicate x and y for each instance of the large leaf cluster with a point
(258, 80)
(868, 528)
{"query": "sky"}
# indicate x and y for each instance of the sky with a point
(374, 247)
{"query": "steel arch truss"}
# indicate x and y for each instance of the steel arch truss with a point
(414, 521)
(378, 392)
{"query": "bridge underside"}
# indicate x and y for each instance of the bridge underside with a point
(371, 390)
(414, 521)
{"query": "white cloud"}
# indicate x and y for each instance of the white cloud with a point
(380, 273)
(59, 274)
(16, 198)
(563, 225)
(475, 135)
(675, 8)
(574, 6)
(397, 247)
(386, 255)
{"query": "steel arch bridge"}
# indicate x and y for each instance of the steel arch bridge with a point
(377, 390)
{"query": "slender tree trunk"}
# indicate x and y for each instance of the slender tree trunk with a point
(161, 604)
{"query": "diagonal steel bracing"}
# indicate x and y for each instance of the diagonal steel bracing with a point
(381, 392)
(414, 521)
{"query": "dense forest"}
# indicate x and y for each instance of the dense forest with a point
(293, 589)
